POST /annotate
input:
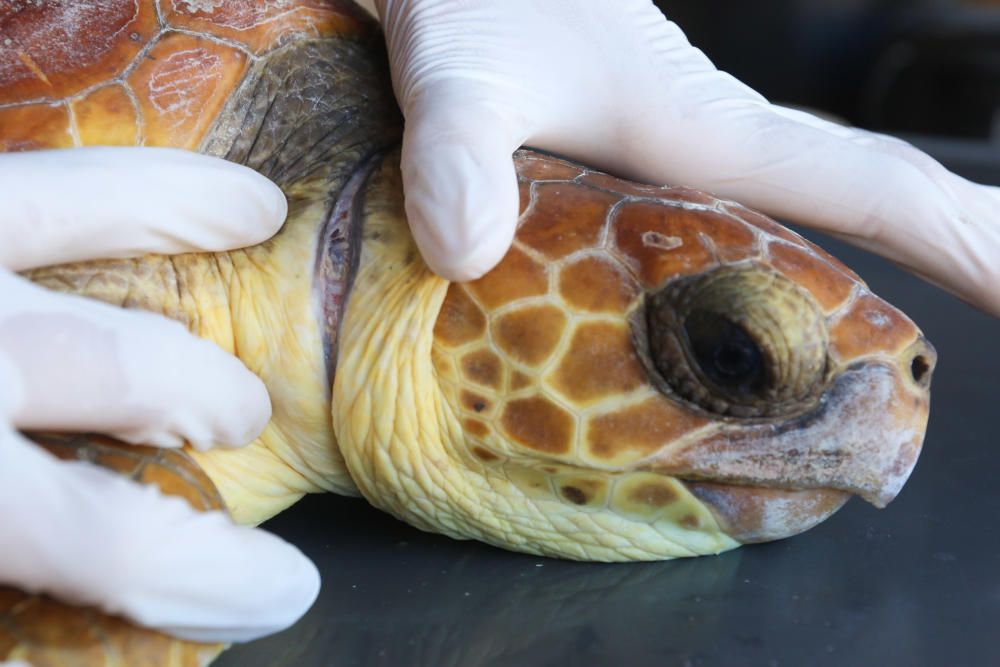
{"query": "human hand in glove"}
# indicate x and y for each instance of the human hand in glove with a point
(615, 84)
(67, 363)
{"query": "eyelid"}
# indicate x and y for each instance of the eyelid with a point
(780, 319)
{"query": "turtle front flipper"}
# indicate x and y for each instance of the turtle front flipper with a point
(45, 632)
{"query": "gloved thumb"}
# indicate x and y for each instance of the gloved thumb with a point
(459, 179)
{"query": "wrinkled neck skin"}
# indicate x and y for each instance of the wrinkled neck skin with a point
(312, 118)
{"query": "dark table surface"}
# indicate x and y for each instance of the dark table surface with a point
(915, 584)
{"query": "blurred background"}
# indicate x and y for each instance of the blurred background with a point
(927, 70)
(910, 66)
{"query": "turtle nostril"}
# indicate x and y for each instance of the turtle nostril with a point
(922, 360)
(921, 369)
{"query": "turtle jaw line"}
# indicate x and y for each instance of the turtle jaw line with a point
(752, 514)
(877, 496)
(781, 488)
(864, 439)
(777, 489)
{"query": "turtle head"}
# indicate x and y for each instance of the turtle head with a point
(813, 394)
(651, 372)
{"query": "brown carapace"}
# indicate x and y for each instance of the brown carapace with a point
(141, 72)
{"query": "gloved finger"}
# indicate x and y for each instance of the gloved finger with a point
(459, 179)
(80, 365)
(89, 536)
(89, 203)
(876, 192)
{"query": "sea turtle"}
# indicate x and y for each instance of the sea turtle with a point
(649, 373)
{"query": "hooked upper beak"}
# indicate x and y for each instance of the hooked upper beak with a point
(863, 438)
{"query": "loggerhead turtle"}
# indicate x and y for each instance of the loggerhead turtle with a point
(649, 373)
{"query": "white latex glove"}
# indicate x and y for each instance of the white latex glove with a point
(84, 534)
(615, 84)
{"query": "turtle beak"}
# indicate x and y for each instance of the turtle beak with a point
(863, 438)
(754, 514)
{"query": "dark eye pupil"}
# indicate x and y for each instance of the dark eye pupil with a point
(724, 351)
(734, 360)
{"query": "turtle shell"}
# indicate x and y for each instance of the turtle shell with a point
(141, 72)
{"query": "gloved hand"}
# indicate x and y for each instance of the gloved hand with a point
(85, 534)
(615, 84)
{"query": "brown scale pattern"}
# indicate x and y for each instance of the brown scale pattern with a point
(518, 276)
(557, 312)
(566, 218)
(639, 430)
(181, 85)
(51, 51)
(831, 288)
(530, 334)
(648, 234)
(600, 361)
(35, 127)
(108, 116)
(596, 285)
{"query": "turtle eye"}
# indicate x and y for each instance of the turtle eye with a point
(725, 352)
(739, 341)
